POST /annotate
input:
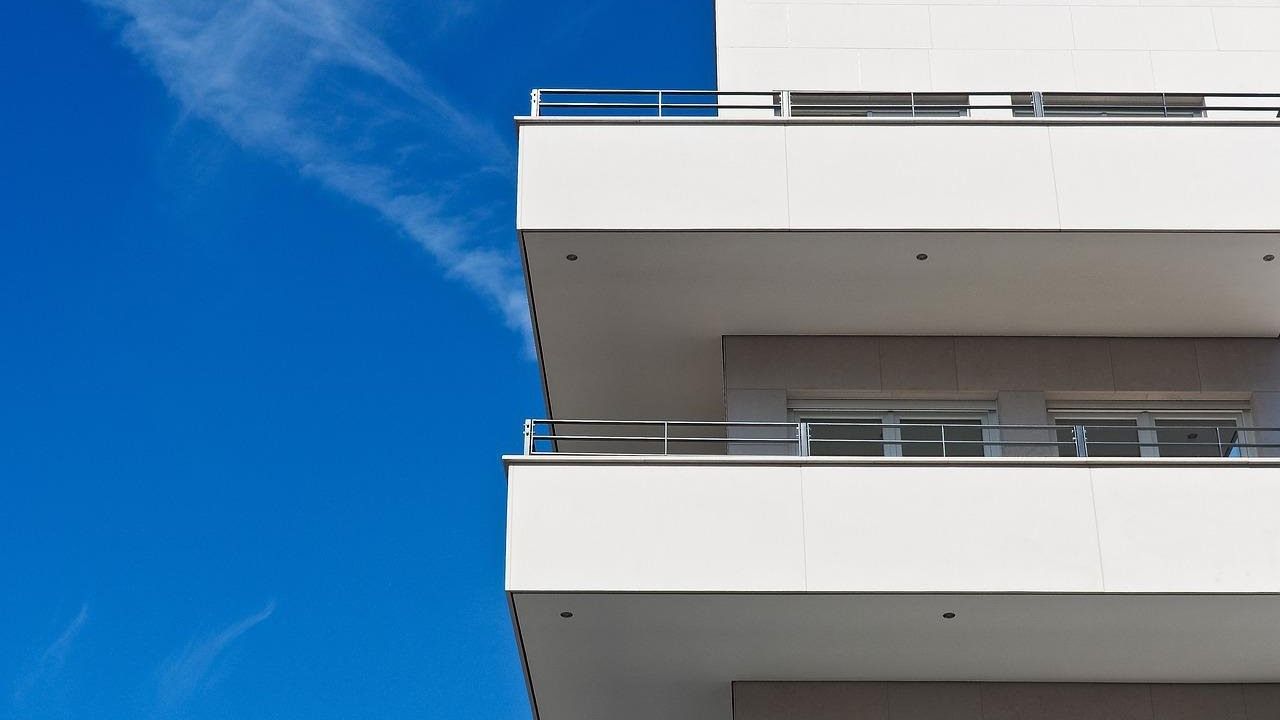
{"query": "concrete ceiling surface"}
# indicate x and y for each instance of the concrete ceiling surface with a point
(636, 656)
(633, 327)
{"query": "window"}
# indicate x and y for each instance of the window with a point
(879, 105)
(1116, 105)
(902, 429)
(860, 436)
(1169, 432)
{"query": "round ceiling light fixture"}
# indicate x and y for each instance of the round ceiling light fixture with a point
(571, 257)
(922, 257)
(1268, 257)
(566, 614)
(948, 615)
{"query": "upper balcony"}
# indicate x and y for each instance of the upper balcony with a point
(655, 223)
(782, 160)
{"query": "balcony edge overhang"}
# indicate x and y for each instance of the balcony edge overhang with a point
(828, 461)
(527, 120)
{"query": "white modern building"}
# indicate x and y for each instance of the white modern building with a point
(928, 369)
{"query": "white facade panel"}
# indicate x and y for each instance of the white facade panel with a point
(1178, 28)
(1200, 530)
(965, 175)
(1204, 45)
(751, 25)
(1167, 177)
(1247, 28)
(920, 177)
(681, 176)
(1100, 27)
(790, 68)
(966, 529)
(1114, 70)
(859, 26)
(1210, 3)
(620, 528)
(892, 70)
(1001, 27)
(1240, 71)
(988, 70)
(995, 527)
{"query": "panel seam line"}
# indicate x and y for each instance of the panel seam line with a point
(1097, 531)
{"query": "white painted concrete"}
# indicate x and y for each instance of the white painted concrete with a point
(899, 176)
(1200, 529)
(631, 528)
(996, 527)
(966, 528)
(688, 177)
(633, 328)
(961, 175)
(1149, 178)
(1182, 45)
(635, 656)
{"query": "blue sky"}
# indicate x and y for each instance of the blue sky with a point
(262, 344)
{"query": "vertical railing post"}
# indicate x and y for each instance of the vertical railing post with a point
(659, 103)
(784, 104)
(802, 439)
(535, 103)
(1082, 441)
(666, 437)
(528, 437)
(1037, 103)
(1164, 103)
(913, 104)
(1218, 431)
(944, 439)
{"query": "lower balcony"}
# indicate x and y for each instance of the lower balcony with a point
(645, 585)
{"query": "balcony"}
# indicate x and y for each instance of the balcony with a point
(1174, 438)
(644, 584)
(655, 224)
(1020, 160)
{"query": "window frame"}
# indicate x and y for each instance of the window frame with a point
(894, 412)
(1147, 415)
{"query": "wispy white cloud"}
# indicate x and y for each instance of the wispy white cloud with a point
(310, 83)
(183, 675)
(48, 664)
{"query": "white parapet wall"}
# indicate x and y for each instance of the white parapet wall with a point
(726, 174)
(1069, 527)
(956, 45)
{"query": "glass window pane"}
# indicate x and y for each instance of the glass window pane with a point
(923, 438)
(1107, 437)
(851, 436)
(1182, 437)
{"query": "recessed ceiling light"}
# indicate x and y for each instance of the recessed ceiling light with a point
(566, 614)
(1268, 257)
(922, 257)
(571, 257)
(948, 615)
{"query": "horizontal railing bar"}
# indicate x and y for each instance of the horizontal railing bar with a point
(753, 423)
(599, 91)
(716, 423)
(658, 438)
(655, 106)
(936, 441)
(856, 93)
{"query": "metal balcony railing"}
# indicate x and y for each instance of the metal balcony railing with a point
(974, 105)
(914, 439)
